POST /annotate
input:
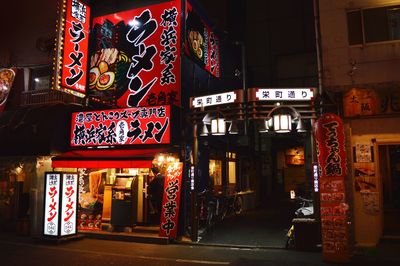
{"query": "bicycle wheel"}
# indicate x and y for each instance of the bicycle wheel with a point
(210, 216)
(238, 205)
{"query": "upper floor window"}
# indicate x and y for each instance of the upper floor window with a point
(373, 25)
(41, 78)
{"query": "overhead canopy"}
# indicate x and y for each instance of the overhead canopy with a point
(106, 158)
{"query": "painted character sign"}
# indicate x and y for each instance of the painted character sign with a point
(329, 134)
(171, 200)
(136, 60)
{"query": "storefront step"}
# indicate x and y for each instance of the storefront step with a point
(133, 236)
(135, 229)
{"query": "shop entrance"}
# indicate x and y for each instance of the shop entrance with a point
(112, 199)
(264, 181)
(389, 162)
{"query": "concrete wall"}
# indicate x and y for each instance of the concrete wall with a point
(368, 227)
(374, 63)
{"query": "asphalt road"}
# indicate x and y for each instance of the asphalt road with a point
(102, 252)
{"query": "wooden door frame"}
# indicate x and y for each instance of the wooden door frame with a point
(377, 143)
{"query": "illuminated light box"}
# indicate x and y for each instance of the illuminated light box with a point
(116, 127)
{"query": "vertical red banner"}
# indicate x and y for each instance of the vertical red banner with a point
(330, 139)
(76, 40)
(171, 200)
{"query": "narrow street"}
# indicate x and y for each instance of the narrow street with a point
(21, 250)
(25, 251)
(262, 227)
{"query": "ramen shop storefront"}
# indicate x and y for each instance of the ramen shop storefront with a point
(112, 181)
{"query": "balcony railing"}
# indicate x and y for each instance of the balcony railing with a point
(43, 97)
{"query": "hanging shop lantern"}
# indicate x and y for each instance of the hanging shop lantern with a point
(282, 123)
(218, 126)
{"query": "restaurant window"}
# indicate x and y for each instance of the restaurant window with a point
(215, 170)
(40, 78)
(373, 25)
(231, 160)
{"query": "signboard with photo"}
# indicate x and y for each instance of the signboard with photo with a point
(136, 59)
(363, 153)
(201, 43)
(364, 177)
(143, 125)
(6, 81)
(91, 197)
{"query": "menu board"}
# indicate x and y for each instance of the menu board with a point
(329, 136)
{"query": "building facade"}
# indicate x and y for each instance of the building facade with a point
(359, 42)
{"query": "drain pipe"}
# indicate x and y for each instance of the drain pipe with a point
(318, 45)
(244, 83)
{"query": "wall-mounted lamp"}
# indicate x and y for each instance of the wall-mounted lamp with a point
(265, 126)
(204, 131)
(300, 126)
(233, 128)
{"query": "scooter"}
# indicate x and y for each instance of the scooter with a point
(306, 210)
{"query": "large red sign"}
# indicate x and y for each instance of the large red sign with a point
(137, 56)
(143, 125)
(75, 55)
(329, 134)
(171, 200)
(201, 43)
(330, 139)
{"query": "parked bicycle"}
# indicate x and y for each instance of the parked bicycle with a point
(214, 208)
(205, 215)
(232, 204)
